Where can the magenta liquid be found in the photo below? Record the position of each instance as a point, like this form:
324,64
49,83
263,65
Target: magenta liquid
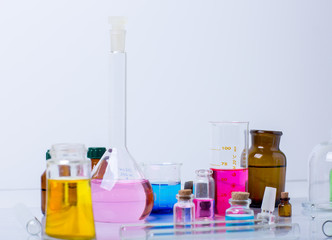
226,182
204,208
128,201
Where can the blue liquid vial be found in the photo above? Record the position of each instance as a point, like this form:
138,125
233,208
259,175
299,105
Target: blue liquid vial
239,209
164,196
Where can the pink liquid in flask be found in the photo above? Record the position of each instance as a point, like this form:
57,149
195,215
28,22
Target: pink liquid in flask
226,182
128,201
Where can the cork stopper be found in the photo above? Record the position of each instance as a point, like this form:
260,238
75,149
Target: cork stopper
284,194
240,195
185,194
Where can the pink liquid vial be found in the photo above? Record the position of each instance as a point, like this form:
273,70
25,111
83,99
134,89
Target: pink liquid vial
226,182
128,201
204,208
204,192
184,209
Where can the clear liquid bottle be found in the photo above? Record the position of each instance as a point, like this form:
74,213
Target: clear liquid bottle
120,192
44,185
184,209
228,161
204,194
69,205
239,209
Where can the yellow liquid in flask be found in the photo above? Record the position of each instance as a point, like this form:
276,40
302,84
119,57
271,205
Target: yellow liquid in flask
69,209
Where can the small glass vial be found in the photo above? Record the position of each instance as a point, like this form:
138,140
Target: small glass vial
239,209
95,154
204,194
284,208
184,209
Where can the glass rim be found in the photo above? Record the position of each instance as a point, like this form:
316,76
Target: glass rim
229,122
163,164
204,172
65,161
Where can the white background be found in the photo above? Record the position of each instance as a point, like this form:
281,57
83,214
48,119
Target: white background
189,62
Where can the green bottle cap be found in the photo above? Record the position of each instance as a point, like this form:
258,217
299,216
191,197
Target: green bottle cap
96,152
48,155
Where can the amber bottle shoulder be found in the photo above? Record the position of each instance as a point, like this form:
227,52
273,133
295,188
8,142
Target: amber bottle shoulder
266,157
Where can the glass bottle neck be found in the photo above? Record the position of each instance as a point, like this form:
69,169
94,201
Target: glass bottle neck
284,200
117,134
265,140
186,200
68,151
240,203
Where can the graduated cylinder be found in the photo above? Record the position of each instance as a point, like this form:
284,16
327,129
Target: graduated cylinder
228,160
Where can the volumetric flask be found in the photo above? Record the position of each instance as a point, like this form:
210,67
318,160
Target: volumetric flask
120,193
69,206
228,160
165,179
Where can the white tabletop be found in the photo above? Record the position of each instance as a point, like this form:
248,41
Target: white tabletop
10,228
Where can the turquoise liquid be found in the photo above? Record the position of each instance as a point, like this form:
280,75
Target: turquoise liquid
239,217
165,196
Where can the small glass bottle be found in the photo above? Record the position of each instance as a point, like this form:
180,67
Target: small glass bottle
204,194
44,186
239,209
184,209
95,154
284,208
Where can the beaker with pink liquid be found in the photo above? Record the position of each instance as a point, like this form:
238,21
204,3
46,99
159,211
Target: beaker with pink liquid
228,161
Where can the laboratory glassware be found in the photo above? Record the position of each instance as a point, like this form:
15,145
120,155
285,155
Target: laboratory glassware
27,220
69,206
44,186
184,209
95,154
228,160
284,207
320,176
267,165
239,209
120,192
268,204
204,194
165,179
211,230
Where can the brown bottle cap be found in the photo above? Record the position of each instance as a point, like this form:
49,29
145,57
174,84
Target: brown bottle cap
284,194
240,195
185,192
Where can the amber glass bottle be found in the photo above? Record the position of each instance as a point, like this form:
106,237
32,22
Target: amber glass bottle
43,186
284,208
95,155
267,165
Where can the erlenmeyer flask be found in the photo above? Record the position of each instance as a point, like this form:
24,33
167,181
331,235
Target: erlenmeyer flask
120,193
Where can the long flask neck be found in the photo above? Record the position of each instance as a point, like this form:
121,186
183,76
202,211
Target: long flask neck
117,134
